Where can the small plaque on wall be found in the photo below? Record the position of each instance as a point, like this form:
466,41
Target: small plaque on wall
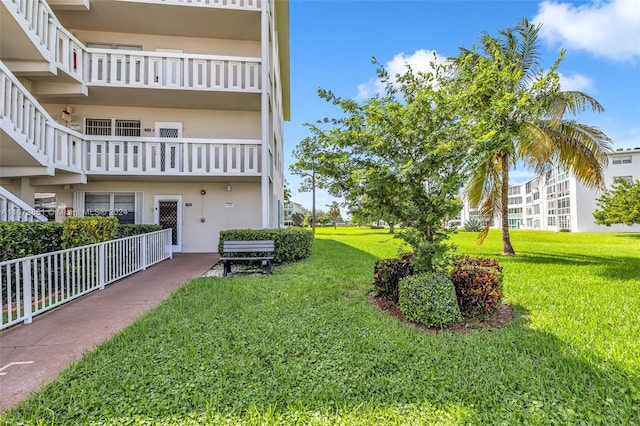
228,204
188,204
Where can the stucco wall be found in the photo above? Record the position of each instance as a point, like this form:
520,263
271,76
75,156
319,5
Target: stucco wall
239,208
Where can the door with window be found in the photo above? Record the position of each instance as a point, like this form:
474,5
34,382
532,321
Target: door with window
168,214
171,151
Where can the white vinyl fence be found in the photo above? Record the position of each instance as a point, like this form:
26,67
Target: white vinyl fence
35,284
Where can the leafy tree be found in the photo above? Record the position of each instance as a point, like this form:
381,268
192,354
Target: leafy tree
334,212
311,159
297,219
287,191
404,151
620,204
517,113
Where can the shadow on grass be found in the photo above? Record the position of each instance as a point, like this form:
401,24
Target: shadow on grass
618,267
292,346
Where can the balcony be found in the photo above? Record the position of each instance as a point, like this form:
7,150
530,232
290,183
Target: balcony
140,157
218,19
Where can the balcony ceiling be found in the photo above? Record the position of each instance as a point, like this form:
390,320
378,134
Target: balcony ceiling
164,19
166,98
13,155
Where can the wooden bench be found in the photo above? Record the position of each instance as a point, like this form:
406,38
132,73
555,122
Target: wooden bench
245,251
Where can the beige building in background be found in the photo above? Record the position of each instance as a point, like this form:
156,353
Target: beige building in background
154,111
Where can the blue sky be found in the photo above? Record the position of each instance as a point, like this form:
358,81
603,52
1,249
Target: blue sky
332,43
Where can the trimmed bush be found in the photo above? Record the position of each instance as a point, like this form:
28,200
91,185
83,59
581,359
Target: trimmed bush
388,272
81,231
129,230
478,284
429,298
292,244
22,239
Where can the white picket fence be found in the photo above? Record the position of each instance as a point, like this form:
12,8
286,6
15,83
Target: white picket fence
33,285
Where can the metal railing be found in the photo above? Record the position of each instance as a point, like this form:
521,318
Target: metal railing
35,284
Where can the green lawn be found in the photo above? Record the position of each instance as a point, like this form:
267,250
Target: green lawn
304,346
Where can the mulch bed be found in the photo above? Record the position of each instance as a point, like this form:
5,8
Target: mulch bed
505,314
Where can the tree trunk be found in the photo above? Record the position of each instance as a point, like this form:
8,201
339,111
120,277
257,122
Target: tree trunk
391,228
507,248
313,202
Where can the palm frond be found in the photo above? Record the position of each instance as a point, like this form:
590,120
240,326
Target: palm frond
582,150
484,189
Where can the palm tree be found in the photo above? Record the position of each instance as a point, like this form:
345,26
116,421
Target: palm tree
533,129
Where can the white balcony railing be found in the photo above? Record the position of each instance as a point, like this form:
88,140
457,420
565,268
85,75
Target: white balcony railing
35,284
173,70
169,156
229,4
13,208
22,117
142,69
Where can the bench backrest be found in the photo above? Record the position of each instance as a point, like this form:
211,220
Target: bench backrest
248,246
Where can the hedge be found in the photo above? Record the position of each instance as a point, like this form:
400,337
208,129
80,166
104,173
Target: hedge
81,231
129,230
291,244
22,239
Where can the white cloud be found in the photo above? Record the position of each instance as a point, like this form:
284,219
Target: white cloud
609,29
575,82
420,61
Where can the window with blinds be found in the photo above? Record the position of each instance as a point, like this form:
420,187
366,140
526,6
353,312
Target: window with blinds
112,127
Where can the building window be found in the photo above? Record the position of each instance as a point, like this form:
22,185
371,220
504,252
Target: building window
45,204
536,195
563,188
552,208
111,127
564,206
536,209
514,190
564,222
623,159
551,221
119,204
515,200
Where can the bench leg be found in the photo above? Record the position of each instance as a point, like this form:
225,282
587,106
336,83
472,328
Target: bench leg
268,267
226,267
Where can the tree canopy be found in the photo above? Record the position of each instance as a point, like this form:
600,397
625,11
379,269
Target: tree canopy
620,204
518,113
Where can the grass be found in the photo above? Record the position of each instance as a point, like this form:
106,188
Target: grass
304,346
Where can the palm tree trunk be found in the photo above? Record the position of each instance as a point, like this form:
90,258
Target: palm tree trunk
507,248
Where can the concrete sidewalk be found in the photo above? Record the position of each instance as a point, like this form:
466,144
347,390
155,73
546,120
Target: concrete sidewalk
33,354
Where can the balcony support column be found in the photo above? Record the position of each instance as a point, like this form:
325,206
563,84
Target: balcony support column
264,111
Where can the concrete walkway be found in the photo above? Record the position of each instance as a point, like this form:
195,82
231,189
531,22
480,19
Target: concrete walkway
32,355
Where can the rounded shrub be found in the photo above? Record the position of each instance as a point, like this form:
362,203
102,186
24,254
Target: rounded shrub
478,284
429,298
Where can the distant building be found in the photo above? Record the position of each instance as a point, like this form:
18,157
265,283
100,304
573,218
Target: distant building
556,200
291,208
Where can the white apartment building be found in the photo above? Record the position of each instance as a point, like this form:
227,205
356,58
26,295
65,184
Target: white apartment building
556,200
154,111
